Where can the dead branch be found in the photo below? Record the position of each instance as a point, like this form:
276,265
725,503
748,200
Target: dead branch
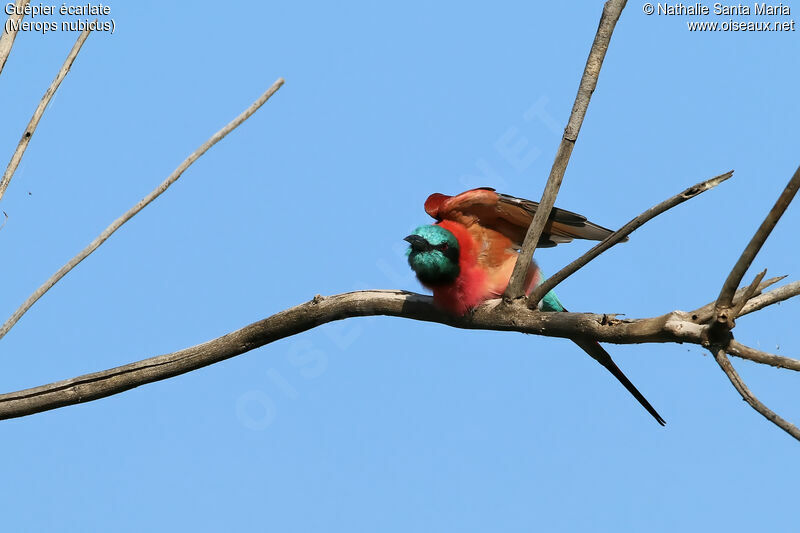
619,235
772,297
709,326
749,397
718,335
737,272
751,354
611,13
748,294
37,114
676,326
701,315
494,315
114,226
7,39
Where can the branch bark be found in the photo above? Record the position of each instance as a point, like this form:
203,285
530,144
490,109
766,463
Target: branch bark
703,314
114,226
8,37
511,315
611,13
772,297
37,114
676,326
619,235
492,315
751,354
749,397
718,336
740,268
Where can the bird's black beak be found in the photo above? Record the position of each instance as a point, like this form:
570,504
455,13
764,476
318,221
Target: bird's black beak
417,242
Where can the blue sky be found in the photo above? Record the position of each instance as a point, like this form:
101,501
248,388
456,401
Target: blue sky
385,424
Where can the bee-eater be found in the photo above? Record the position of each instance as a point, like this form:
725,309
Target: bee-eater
468,255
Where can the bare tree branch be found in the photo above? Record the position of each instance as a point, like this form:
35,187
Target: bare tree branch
114,226
772,297
611,13
718,337
673,327
739,385
37,114
511,315
676,326
737,273
701,315
7,39
748,294
551,282
751,354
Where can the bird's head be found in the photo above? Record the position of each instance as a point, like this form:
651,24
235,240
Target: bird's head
433,255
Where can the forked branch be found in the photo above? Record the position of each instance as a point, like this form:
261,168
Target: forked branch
676,326
551,282
611,13
718,335
741,388
759,238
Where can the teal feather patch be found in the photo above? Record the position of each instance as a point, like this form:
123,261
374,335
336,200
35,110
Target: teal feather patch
434,255
550,301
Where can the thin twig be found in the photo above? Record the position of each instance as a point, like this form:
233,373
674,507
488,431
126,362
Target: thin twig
751,354
738,384
619,235
748,294
7,39
37,114
772,297
701,315
611,13
114,226
737,273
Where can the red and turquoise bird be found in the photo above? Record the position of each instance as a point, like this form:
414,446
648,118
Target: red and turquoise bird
468,255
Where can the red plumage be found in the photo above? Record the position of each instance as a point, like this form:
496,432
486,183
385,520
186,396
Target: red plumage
490,228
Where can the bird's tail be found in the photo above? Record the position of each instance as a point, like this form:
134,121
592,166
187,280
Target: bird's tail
599,354
550,302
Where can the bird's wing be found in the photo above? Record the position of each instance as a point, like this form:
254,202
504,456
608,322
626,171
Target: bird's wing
511,216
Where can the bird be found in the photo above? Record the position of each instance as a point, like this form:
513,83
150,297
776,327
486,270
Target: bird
467,256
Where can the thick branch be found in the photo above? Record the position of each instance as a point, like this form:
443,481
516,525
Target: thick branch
7,39
114,226
551,282
738,384
737,273
676,326
672,327
37,114
611,13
